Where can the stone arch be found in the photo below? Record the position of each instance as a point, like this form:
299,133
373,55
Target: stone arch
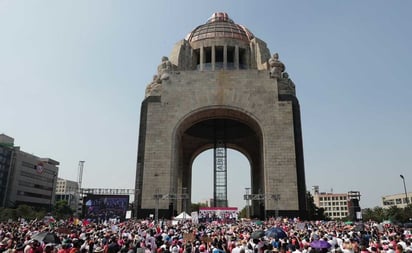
194,134
174,123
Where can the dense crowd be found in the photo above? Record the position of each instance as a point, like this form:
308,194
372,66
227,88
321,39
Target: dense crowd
292,236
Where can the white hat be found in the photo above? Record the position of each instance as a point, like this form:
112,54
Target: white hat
175,249
98,249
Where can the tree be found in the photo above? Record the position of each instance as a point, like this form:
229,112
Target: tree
25,211
29,213
195,206
377,214
394,214
367,214
407,213
7,213
314,212
62,210
243,212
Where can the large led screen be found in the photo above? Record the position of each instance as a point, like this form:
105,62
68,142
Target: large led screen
100,208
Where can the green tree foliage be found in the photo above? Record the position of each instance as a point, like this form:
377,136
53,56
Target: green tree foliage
243,212
22,211
62,210
393,214
195,206
407,214
367,214
314,212
25,211
7,213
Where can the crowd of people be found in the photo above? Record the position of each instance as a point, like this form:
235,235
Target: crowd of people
246,236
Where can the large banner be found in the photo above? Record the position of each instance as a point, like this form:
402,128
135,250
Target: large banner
219,214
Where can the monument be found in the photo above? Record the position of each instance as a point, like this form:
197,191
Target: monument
220,88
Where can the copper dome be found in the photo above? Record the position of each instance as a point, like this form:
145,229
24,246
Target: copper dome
219,25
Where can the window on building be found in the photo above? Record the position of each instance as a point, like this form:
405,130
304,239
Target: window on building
404,200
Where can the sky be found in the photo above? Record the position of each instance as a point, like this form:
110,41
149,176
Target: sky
73,76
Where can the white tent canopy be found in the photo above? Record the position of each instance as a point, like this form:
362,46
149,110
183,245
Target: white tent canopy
182,216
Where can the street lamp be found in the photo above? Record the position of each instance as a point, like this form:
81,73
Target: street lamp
247,198
157,197
184,189
276,198
53,191
404,187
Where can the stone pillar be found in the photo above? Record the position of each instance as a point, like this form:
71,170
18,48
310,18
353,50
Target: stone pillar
225,56
236,57
213,57
202,59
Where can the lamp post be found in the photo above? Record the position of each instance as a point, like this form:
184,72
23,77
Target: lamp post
53,192
404,187
157,197
276,198
247,198
184,189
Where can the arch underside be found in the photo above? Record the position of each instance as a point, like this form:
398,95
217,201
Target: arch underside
197,133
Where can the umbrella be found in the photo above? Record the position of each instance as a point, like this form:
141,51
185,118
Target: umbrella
275,232
259,222
320,244
257,234
46,237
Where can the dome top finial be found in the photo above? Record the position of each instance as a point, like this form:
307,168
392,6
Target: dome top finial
219,16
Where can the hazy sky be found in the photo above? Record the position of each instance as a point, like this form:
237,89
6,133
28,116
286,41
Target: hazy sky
73,76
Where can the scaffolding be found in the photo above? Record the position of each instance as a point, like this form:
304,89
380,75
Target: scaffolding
220,166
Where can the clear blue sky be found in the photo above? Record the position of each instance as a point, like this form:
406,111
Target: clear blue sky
73,76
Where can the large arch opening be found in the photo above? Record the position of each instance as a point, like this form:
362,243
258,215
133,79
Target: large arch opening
239,178
196,133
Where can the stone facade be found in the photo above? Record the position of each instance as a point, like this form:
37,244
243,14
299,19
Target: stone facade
199,86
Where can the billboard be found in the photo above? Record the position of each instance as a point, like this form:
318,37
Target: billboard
104,207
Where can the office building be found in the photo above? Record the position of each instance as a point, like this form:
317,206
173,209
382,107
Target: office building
26,178
399,200
337,205
69,191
